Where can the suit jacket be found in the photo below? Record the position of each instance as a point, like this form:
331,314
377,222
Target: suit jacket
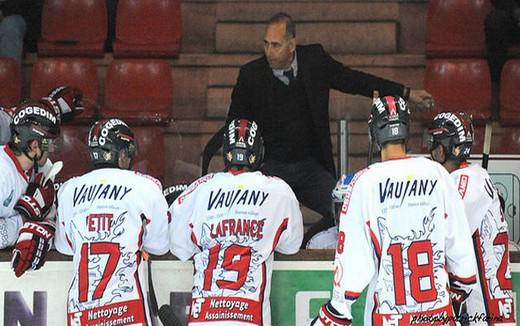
319,72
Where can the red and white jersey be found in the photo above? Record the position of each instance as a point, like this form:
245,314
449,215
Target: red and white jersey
493,297
106,218
402,229
13,184
232,223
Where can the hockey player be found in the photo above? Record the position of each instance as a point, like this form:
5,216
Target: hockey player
231,223
451,140
25,199
402,232
107,219
65,100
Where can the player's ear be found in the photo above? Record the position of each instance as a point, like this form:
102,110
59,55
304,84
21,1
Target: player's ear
124,161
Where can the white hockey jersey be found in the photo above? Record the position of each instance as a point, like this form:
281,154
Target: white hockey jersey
232,223
402,229
13,184
106,218
493,297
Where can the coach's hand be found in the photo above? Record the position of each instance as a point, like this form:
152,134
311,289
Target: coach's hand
421,100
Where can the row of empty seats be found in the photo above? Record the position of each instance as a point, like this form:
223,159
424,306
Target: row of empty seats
137,90
144,28
465,85
72,150
141,90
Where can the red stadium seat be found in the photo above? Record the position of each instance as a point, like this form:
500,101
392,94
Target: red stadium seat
11,81
510,92
456,28
150,151
73,27
48,73
72,150
139,91
460,85
148,28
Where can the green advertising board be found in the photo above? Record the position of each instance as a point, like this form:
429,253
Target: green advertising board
299,289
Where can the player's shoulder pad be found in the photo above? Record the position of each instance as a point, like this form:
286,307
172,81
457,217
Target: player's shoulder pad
61,187
150,178
193,186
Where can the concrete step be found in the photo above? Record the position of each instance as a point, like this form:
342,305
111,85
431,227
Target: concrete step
349,37
249,11
205,22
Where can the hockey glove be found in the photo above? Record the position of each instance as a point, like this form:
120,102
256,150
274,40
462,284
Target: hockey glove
69,101
37,201
328,316
458,295
34,241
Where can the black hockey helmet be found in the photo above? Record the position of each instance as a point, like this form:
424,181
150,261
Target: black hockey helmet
389,120
243,145
34,120
454,131
107,138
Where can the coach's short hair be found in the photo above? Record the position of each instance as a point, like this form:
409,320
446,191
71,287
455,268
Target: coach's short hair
282,17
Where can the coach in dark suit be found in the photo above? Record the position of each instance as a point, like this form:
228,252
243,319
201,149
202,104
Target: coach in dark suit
286,92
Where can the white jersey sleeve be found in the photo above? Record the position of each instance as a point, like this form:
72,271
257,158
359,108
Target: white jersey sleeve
157,219
354,265
182,244
291,231
461,266
61,241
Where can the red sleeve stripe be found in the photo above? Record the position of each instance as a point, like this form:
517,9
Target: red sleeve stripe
350,295
281,228
194,237
375,241
69,242
466,280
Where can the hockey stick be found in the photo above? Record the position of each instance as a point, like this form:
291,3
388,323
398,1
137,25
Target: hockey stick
375,96
166,314
54,170
370,149
487,145
153,298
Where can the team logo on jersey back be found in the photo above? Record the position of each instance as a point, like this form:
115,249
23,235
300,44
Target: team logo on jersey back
404,189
